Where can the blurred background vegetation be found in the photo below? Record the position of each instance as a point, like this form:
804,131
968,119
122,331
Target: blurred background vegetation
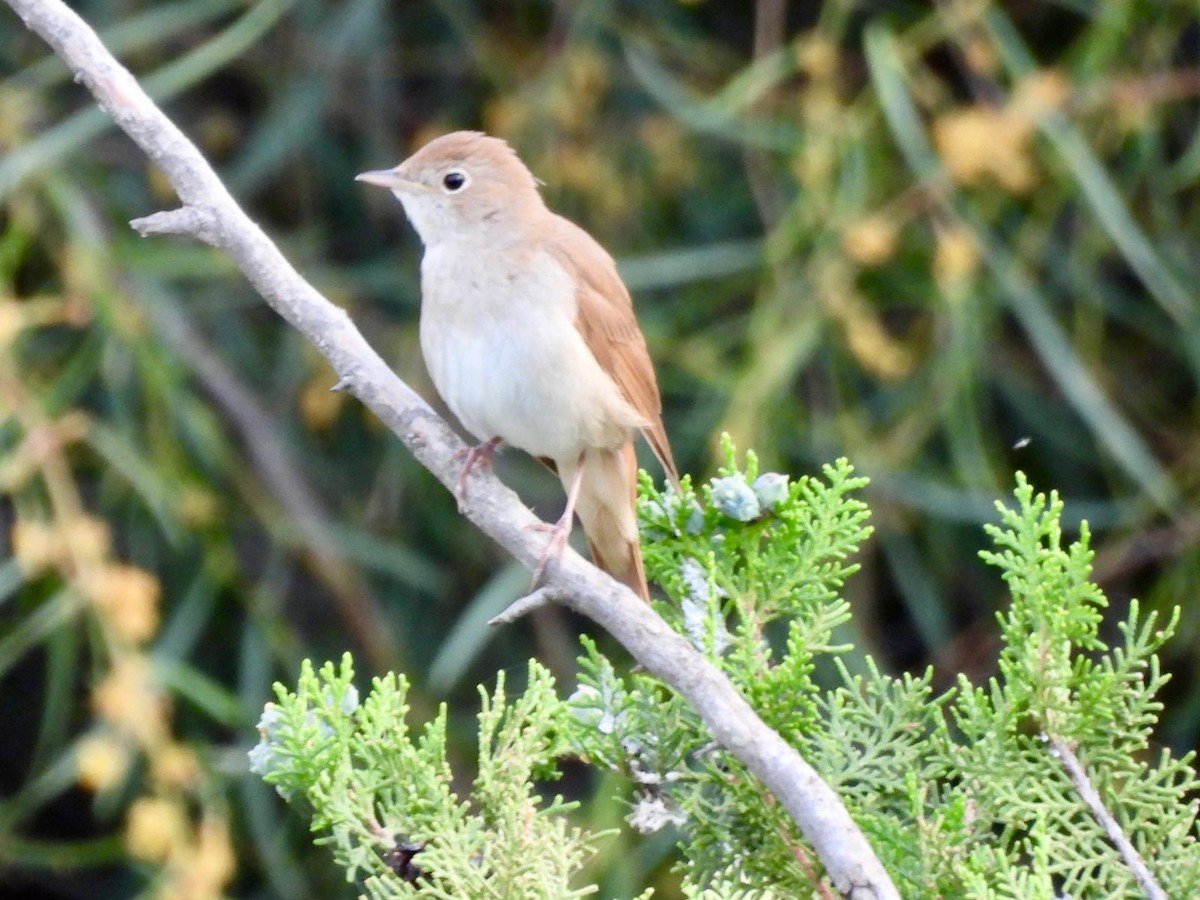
947,241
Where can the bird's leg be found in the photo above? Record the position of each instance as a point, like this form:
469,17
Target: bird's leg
561,529
473,457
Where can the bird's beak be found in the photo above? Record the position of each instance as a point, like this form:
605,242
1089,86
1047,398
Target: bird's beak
392,180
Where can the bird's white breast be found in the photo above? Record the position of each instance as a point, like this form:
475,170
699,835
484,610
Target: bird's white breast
499,339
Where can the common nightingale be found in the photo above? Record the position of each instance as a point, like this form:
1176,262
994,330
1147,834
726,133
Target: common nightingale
529,335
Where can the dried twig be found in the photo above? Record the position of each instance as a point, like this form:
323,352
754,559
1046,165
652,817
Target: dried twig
1111,826
523,606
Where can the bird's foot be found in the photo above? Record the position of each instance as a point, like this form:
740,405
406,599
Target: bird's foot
473,458
560,531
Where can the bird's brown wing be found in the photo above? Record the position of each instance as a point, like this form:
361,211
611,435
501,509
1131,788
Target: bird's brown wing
606,321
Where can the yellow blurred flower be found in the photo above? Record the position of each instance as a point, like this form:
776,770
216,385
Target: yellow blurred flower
174,765
101,761
199,865
128,597
39,545
876,350
130,700
12,320
155,829
214,863
88,538
870,241
1040,93
978,141
956,257
818,56
36,545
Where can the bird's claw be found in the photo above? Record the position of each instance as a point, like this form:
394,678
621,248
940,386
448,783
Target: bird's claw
560,531
473,458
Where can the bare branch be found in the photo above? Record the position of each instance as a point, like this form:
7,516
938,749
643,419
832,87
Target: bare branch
523,606
1111,826
216,219
189,220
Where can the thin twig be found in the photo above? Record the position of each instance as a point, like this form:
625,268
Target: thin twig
841,846
1111,826
522,606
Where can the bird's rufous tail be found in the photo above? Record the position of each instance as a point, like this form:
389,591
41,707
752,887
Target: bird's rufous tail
607,508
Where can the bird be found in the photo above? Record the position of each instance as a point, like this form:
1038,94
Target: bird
529,336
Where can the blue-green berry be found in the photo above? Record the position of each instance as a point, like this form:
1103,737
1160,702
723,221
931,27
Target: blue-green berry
770,488
733,497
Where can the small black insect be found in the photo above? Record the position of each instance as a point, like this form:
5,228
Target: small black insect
400,860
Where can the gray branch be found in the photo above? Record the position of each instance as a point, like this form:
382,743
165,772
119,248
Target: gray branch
210,214
523,606
1108,822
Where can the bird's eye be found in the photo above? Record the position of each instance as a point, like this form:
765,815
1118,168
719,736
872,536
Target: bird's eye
454,181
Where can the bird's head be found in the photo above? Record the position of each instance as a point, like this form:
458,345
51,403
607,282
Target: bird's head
460,186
